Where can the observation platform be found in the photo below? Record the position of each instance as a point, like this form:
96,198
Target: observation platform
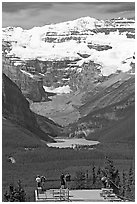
93,195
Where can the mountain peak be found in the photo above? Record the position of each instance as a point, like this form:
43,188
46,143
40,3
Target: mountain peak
87,18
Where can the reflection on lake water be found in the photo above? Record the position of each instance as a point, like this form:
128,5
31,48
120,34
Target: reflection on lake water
65,143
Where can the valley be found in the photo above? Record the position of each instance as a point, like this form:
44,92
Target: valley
67,84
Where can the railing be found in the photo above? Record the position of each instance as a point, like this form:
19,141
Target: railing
60,194
51,195
116,191
125,199
56,184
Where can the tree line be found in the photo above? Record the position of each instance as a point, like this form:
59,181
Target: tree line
121,182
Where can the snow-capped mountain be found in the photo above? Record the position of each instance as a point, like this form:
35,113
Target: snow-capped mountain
81,24
71,47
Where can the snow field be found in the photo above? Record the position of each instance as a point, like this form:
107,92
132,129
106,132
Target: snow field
30,44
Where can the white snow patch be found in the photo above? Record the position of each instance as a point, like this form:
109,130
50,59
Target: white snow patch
17,63
112,60
60,90
79,70
27,73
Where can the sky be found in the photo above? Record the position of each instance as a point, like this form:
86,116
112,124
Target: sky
30,14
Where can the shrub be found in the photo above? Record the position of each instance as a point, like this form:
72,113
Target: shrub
15,194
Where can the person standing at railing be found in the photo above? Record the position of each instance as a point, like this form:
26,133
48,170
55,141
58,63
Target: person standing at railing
43,180
62,181
38,181
68,179
104,181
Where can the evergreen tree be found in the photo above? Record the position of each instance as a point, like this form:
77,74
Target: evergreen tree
130,188
98,178
112,175
79,180
110,169
116,177
93,174
131,176
99,172
87,179
124,180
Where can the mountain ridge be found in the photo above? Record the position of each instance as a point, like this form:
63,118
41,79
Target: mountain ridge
44,45
87,19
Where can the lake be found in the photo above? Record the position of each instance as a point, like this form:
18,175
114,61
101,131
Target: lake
69,142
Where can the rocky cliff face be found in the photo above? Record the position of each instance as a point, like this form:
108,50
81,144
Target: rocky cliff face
30,85
16,108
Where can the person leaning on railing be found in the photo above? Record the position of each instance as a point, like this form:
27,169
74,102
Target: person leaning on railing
43,180
68,179
38,181
62,181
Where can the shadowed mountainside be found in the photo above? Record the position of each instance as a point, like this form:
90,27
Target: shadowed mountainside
16,108
48,126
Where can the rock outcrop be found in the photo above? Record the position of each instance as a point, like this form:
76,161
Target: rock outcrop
30,85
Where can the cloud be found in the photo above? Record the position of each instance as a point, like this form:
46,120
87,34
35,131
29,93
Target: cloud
17,6
30,14
108,6
121,7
